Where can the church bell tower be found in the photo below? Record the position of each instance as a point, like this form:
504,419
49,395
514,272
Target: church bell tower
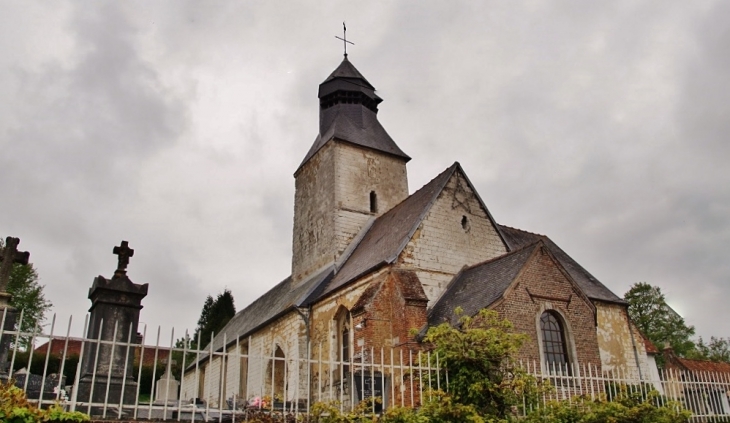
353,172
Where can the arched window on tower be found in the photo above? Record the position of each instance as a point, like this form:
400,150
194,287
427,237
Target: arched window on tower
373,202
554,343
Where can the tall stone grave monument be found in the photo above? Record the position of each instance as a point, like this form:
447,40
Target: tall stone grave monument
115,306
9,255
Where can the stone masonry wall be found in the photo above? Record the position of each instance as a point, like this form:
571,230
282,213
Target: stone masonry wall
549,289
619,352
358,172
314,204
286,333
332,201
442,245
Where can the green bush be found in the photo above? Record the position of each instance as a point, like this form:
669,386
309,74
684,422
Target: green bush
625,407
479,356
15,408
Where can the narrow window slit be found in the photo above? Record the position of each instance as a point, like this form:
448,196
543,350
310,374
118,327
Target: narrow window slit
373,202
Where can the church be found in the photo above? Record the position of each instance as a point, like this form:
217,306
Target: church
372,265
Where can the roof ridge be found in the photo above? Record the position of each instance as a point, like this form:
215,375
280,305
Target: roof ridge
508,253
522,230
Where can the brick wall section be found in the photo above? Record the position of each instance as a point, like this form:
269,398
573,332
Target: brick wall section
618,351
395,308
542,277
441,246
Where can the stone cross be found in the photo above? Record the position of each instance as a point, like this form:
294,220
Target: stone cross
344,38
8,256
124,253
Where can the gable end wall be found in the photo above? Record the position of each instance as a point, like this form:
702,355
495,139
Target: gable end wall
441,246
543,279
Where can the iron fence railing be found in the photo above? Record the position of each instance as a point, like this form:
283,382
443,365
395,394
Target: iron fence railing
136,376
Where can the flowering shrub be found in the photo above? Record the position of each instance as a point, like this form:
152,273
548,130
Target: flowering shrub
15,408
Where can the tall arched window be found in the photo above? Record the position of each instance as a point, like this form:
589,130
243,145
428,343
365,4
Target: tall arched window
342,319
554,345
276,374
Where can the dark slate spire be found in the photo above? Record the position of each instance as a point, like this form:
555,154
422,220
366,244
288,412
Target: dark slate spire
348,108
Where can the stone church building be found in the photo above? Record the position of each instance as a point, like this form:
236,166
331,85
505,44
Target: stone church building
373,264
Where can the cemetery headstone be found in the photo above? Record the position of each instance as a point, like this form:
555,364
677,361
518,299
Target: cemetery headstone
369,385
34,384
115,306
166,388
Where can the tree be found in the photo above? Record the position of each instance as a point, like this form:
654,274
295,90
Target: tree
650,312
28,296
479,354
718,349
214,316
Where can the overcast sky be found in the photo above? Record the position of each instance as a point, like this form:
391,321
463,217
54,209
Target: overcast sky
177,126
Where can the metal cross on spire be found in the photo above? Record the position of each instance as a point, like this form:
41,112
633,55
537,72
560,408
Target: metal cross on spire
344,38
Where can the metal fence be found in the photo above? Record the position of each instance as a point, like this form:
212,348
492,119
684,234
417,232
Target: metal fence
160,380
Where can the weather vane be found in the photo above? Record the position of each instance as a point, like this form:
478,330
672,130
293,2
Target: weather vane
344,38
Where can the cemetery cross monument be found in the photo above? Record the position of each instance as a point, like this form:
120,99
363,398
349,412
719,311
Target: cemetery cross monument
9,255
115,307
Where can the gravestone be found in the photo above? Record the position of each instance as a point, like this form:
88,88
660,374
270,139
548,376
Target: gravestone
115,306
166,389
9,255
369,385
33,384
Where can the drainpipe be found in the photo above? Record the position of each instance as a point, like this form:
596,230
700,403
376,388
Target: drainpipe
636,352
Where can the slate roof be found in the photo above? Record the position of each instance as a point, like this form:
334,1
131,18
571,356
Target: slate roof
590,286
277,301
347,70
477,287
357,125
353,123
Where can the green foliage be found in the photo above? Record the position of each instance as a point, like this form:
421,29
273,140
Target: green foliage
27,295
718,349
479,355
650,312
214,316
626,407
15,408
329,412
440,407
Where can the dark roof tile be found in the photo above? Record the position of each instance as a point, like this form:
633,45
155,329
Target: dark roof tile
477,287
279,299
590,286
